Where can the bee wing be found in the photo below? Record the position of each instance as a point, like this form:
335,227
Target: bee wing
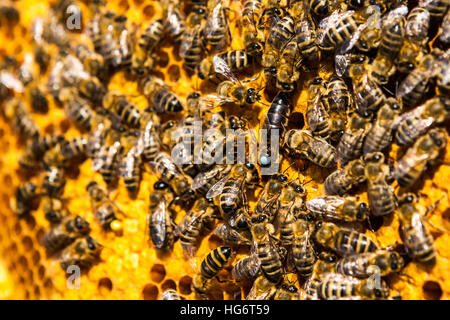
221,67
11,82
158,218
188,37
332,276
389,17
330,22
410,160
202,178
217,188
417,224
211,101
318,145
350,43
420,125
324,204
341,64
317,114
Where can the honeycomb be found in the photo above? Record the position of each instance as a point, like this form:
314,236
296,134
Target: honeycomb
129,267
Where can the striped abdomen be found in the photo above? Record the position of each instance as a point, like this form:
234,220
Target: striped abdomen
350,146
128,112
229,199
392,40
338,182
237,60
420,244
337,35
336,289
378,138
281,33
351,242
381,199
270,262
215,261
166,101
303,255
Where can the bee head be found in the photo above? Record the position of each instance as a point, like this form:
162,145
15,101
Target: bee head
407,199
252,96
81,224
362,212
160,185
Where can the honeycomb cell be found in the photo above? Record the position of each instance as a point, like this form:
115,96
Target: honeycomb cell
39,234
105,285
35,257
185,285
37,291
18,229
150,292
158,273
23,263
64,125
148,11
432,290
27,243
168,284
7,180
41,271
174,73
31,222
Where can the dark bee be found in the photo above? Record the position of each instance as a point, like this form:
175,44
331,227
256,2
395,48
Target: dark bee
381,195
53,182
65,233
211,265
342,180
341,240
161,224
414,123
271,264
314,149
24,197
160,97
363,265
416,236
302,248
337,208
83,253
102,207
436,8
351,144
426,149
380,134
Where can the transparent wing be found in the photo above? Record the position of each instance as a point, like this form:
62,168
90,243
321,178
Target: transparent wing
158,218
11,82
392,15
221,67
330,22
212,101
414,113
203,178
350,43
325,204
341,64
217,188
188,38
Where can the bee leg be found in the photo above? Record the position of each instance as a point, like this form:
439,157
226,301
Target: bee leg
410,279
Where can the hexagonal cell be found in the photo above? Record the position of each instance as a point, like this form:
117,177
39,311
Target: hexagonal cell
18,228
150,292
35,257
168,284
124,5
64,125
174,72
31,222
105,285
39,234
185,285
23,263
148,11
158,273
27,243
37,291
41,271
432,290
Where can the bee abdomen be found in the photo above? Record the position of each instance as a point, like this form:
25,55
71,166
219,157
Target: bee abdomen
349,242
215,261
382,200
337,183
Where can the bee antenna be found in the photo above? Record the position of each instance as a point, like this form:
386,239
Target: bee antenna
288,167
388,91
411,280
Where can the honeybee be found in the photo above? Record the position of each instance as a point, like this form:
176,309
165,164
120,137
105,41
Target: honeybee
262,289
42,143
193,222
54,210
417,25
381,195
230,190
246,268
414,86
125,110
290,207
338,103
76,108
342,180
337,208
22,121
316,112
302,249
351,144
53,182
213,262
161,223
65,233
106,160
9,83
364,265
166,170
237,60
436,8
368,95
124,43
267,204
286,291
175,22
253,38
344,62
414,123
130,164
74,148
192,43
24,197
204,180
341,240
37,98
334,286
288,66
278,37
416,236
268,253
217,32
426,149
151,144
230,235
334,30
160,96
142,60
170,294
83,253
92,61
380,134
102,207
103,38
314,149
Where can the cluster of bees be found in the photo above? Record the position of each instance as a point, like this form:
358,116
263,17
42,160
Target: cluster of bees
352,118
